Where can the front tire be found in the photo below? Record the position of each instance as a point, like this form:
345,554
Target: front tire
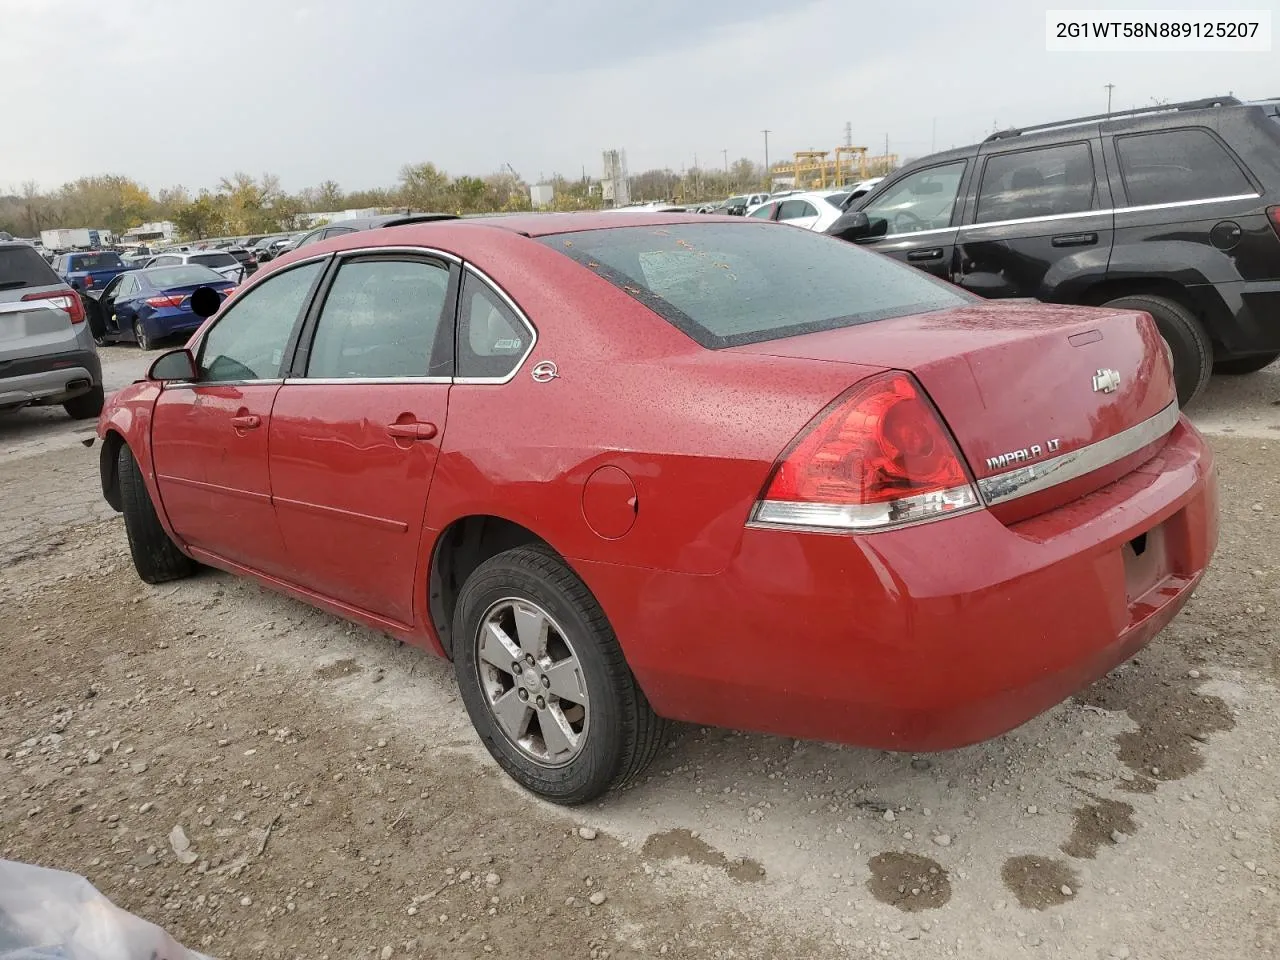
156,558
140,335
1242,365
544,680
87,406
1192,349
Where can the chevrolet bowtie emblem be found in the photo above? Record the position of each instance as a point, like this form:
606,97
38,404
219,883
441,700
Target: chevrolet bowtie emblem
1106,381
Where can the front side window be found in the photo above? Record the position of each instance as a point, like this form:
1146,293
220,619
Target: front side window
249,341
923,200
381,319
1037,183
491,339
1178,165
728,284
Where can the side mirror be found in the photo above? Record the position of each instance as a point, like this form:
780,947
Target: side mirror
205,301
177,364
851,225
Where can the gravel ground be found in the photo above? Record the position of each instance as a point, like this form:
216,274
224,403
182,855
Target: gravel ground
333,802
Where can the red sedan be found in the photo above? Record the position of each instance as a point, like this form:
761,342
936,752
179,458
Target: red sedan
630,467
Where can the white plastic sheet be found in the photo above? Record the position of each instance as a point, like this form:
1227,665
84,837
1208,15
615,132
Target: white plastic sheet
52,915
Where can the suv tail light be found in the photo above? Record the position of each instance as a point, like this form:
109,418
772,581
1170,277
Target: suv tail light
166,300
1273,213
878,457
67,300
87,280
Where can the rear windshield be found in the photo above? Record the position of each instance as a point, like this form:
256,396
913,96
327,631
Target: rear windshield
183,276
21,266
726,284
94,261
241,255
216,260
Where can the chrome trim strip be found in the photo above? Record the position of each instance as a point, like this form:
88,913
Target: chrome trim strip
1069,216
520,315
338,381
192,384
400,248
1035,477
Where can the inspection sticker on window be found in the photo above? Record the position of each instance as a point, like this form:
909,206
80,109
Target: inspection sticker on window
1153,31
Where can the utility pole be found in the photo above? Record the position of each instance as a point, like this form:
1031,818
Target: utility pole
726,161
768,176
933,139
1110,87
697,175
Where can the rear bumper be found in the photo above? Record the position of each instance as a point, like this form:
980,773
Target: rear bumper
923,638
49,379
171,322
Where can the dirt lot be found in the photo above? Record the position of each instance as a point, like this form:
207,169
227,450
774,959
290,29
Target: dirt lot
336,803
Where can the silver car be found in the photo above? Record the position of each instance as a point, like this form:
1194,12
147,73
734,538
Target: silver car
47,354
220,261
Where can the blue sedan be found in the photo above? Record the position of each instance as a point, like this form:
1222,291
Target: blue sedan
146,306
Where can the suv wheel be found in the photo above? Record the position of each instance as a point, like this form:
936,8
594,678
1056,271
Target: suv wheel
156,558
1238,365
1192,349
87,405
545,682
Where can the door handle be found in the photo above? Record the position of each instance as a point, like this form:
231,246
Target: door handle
1075,240
412,431
246,422
934,253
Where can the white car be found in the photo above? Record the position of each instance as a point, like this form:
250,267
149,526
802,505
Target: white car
815,210
222,262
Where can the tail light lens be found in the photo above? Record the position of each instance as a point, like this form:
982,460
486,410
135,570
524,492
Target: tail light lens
67,300
880,457
166,300
1273,213
87,281
226,294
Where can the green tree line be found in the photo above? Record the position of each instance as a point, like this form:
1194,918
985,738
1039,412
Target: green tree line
243,203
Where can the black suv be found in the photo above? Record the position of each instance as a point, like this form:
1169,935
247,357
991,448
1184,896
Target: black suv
1173,209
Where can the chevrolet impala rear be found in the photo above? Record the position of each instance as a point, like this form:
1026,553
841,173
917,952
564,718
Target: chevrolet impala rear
999,505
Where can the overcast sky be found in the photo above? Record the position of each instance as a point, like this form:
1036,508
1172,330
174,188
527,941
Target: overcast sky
179,91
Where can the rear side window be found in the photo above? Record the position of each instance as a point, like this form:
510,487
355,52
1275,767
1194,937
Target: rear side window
1037,183
1178,165
795,209
491,338
381,319
21,267
726,284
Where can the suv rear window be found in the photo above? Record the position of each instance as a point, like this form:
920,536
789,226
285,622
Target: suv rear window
21,266
730,284
1178,165
215,260
94,261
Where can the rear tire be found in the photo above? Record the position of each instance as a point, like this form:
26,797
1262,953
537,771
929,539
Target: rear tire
140,335
87,406
1241,365
620,733
1192,349
156,558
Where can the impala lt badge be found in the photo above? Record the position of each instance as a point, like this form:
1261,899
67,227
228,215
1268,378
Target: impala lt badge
1025,455
1106,381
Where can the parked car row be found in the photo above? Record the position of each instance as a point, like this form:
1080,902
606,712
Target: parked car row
1173,210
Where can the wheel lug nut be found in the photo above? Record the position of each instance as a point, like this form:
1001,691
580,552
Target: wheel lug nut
516,668
542,704
546,681
529,659
522,693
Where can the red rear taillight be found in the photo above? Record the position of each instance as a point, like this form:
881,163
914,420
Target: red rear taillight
67,300
226,294
166,300
87,281
880,457
1273,213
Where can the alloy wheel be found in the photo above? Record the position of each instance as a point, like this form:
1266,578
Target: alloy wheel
140,334
533,682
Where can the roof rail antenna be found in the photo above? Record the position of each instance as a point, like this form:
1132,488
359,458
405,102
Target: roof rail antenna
1204,104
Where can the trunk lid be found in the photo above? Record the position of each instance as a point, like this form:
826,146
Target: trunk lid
1019,384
